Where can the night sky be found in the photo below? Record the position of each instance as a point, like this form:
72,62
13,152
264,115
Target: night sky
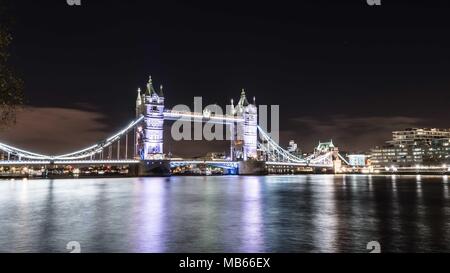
338,69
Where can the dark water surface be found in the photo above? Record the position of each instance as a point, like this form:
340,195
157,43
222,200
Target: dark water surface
306,213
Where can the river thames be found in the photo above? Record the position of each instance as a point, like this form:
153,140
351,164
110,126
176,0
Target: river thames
304,213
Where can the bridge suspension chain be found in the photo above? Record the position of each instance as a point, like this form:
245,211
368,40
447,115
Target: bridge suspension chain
277,150
88,152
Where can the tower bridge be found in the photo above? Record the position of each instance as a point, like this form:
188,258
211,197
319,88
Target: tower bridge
140,144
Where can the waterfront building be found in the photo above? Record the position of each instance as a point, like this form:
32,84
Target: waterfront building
357,160
328,146
412,147
324,147
293,149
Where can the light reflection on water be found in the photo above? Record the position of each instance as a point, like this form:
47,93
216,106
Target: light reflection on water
305,213
252,237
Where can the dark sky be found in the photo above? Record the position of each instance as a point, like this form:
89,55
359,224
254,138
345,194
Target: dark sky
338,69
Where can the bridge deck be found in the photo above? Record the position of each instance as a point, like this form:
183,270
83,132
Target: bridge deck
133,161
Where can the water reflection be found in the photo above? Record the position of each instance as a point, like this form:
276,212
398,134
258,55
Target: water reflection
445,183
252,236
419,185
312,213
325,221
148,216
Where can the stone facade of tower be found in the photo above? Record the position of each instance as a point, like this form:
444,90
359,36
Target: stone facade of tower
244,134
250,132
150,135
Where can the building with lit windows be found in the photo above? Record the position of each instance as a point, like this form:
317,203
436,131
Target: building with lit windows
412,147
294,149
357,160
412,136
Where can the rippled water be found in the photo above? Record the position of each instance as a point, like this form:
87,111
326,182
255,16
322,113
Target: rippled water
309,213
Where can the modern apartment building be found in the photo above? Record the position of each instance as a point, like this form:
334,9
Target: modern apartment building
412,147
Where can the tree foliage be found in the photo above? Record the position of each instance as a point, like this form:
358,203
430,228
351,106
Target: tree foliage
11,87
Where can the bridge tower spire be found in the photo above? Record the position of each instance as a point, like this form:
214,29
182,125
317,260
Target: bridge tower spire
139,103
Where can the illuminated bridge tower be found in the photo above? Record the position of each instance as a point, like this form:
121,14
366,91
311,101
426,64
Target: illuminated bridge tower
245,138
153,111
149,135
